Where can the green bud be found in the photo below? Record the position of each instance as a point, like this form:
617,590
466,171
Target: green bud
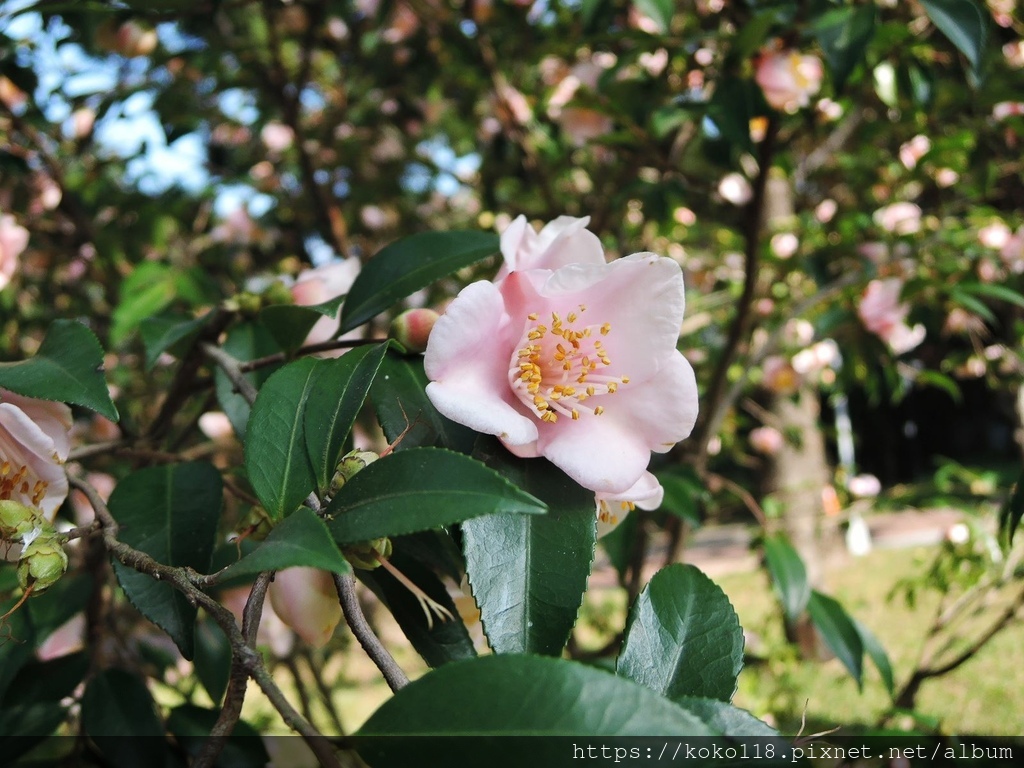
42,563
256,525
277,293
350,464
248,303
362,555
16,520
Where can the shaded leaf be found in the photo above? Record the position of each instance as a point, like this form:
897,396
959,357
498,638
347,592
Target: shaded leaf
659,11
160,334
213,659
683,637
116,707
729,720
301,539
528,573
406,266
964,23
244,748
876,652
789,575
839,633
244,343
67,368
844,34
276,459
419,489
1011,512
289,324
171,514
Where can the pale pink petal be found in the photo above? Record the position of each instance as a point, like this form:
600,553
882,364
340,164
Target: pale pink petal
67,638
305,599
561,242
467,361
53,418
612,508
604,455
31,472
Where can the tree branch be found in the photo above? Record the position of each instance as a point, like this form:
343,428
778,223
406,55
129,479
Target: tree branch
385,662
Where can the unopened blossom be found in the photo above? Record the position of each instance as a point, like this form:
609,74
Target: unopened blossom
568,357
914,150
884,315
899,218
13,239
272,632
766,440
34,444
1012,252
825,210
788,79
306,601
320,284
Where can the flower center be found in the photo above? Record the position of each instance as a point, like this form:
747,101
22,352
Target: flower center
557,368
606,510
12,482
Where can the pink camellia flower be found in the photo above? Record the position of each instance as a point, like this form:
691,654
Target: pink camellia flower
788,79
882,313
320,284
914,150
13,239
995,235
766,440
568,357
305,599
899,218
34,444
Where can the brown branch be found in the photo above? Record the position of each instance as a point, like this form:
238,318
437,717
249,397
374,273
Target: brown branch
311,349
232,369
379,655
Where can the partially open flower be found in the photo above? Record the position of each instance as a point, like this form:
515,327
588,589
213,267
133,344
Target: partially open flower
315,286
572,359
305,600
882,313
788,79
34,444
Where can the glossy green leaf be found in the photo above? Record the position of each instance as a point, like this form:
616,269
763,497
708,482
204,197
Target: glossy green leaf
438,641
876,652
528,573
964,23
116,711
301,539
1011,512
48,681
276,459
290,324
191,725
659,11
844,34
67,368
515,696
160,334
148,290
334,402
789,575
839,633
618,545
419,489
408,265
993,291
212,659
170,513
729,720
244,342
406,415
683,637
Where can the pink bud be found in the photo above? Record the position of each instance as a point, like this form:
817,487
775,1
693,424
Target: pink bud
412,328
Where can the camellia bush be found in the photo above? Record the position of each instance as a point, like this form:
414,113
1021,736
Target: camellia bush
447,300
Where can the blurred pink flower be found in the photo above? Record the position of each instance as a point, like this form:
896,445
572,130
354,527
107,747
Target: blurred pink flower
572,358
779,376
788,79
766,440
864,486
735,188
277,137
581,124
67,638
1005,109
914,150
237,228
899,218
320,284
34,444
1012,252
13,240
882,313
305,599
995,235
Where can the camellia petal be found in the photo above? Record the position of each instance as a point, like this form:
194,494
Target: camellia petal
31,470
612,508
562,242
305,600
53,418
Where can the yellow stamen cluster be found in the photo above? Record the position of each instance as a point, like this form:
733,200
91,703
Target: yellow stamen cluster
17,482
557,368
606,515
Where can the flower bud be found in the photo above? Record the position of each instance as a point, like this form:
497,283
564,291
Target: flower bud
257,524
42,563
364,555
15,520
351,463
278,293
412,328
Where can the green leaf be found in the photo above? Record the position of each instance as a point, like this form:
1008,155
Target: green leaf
170,513
406,414
67,368
408,265
148,290
969,301
48,681
618,545
659,11
514,696
993,291
941,381
731,107
445,641
275,444
23,726
839,633
789,575
964,23
528,573
116,707
159,334
290,324
420,489
876,652
844,35
244,343
729,720
683,637
683,494
1011,512
213,659
334,401
191,725
301,539
19,646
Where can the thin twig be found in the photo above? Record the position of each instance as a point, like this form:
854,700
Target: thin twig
311,349
379,655
232,370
